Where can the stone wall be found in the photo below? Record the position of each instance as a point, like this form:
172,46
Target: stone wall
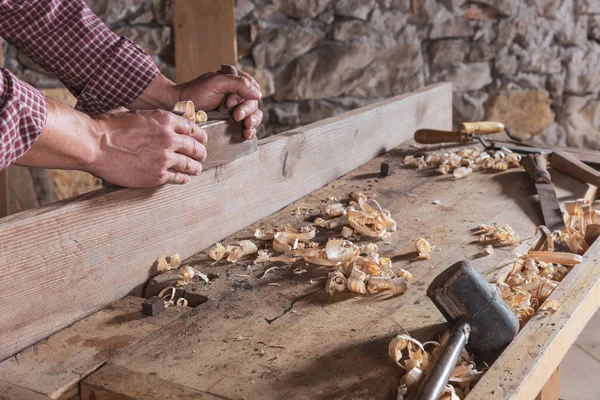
534,64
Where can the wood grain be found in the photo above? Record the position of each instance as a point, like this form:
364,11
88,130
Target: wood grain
551,389
298,342
205,37
3,193
55,366
64,261
110,382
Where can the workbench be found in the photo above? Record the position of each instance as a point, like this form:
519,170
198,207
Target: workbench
275,335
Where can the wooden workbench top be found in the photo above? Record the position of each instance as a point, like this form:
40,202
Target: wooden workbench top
253,340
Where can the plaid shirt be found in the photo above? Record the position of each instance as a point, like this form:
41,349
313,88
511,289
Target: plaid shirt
65,38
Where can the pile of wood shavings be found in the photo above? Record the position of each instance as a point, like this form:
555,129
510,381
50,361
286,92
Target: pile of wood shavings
186,273
417,359
355,268
535,275
463,162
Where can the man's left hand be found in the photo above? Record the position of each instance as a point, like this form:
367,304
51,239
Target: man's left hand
206,92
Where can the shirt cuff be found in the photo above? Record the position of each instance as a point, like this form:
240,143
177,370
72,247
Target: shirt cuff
23,116
124,75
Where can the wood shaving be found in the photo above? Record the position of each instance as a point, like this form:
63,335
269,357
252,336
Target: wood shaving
161,264
463,162
272,269
299,271
417,359
500,232
423,247
234,253
347,232
488,250
273,284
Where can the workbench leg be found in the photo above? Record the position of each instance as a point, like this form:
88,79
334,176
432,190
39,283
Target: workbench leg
551,389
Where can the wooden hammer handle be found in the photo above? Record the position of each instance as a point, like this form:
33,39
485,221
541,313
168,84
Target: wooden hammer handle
432,136
535,165
481,128
570,165
226,69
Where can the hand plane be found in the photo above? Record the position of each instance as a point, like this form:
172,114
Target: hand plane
225,135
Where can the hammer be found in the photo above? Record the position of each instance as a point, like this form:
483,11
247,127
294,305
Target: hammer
479,315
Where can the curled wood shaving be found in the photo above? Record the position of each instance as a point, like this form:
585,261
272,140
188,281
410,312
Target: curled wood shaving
218,252
423,247
162,265
335,210
234,253
550,305
272,269
336,282
500,232
347,232
187,108
181,302
356,281
416,360
488,250
556,257
201,117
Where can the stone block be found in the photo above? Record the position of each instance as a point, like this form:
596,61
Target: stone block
281,43
527,113
303,8
330,70
594,27
580,116
354,8
349,30
468,106
446,53
587,6
465,77
163,11
455,27
583,70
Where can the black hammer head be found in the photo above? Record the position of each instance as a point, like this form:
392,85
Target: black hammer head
461,291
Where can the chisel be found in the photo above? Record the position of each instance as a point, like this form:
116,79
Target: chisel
535,165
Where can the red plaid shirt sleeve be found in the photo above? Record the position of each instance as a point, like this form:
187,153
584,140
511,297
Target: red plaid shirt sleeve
65,38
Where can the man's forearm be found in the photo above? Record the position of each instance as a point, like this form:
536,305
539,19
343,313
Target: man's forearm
69,140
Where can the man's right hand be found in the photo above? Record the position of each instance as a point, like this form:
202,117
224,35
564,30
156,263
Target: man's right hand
134,149
148,148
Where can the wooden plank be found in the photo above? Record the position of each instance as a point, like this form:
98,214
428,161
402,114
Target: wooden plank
110,382
324,346
61,260
551,389
205,37
10,391
54,367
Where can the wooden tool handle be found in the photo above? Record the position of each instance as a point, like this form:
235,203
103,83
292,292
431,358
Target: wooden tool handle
226,69
570,165
481,128
535,165
431,136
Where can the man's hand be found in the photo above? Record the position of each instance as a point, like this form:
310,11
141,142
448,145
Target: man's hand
206,92
135,149
148,148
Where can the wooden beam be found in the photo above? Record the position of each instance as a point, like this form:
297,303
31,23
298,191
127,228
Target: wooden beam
64,261
205,37
3,193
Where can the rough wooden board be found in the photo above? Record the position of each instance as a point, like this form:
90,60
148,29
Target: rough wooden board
10,391
226,142
55,366
336,346
530,360
205,37
66,260
110,382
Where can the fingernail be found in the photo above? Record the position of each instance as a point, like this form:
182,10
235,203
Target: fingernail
243,114
257,92
253,121
232,103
